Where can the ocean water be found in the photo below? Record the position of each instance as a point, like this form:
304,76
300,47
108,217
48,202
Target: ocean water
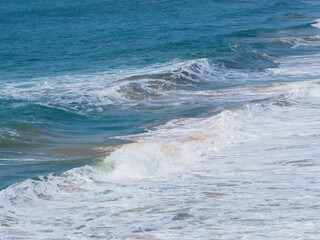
160,119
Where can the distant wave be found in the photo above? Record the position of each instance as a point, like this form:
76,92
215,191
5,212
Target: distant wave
87,93
316,23
296,42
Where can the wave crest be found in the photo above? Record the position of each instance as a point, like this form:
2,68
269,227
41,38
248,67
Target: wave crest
316,23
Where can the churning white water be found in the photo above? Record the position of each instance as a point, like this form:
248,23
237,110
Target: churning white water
251,173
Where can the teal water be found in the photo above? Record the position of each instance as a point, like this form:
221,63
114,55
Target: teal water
62,61
66,43
159,119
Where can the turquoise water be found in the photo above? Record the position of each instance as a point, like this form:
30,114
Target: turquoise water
77,47
78,77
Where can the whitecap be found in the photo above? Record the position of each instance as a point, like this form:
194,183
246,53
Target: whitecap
316,23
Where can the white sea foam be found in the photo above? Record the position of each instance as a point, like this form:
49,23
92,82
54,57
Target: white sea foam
175,145
251,172
302,66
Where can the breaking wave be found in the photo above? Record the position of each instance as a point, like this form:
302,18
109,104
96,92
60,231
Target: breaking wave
177,148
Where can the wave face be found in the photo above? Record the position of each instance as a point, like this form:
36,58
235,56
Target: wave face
159,120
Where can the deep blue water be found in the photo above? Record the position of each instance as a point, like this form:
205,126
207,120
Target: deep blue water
74,74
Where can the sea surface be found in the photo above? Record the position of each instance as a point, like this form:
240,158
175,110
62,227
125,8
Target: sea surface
160,119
